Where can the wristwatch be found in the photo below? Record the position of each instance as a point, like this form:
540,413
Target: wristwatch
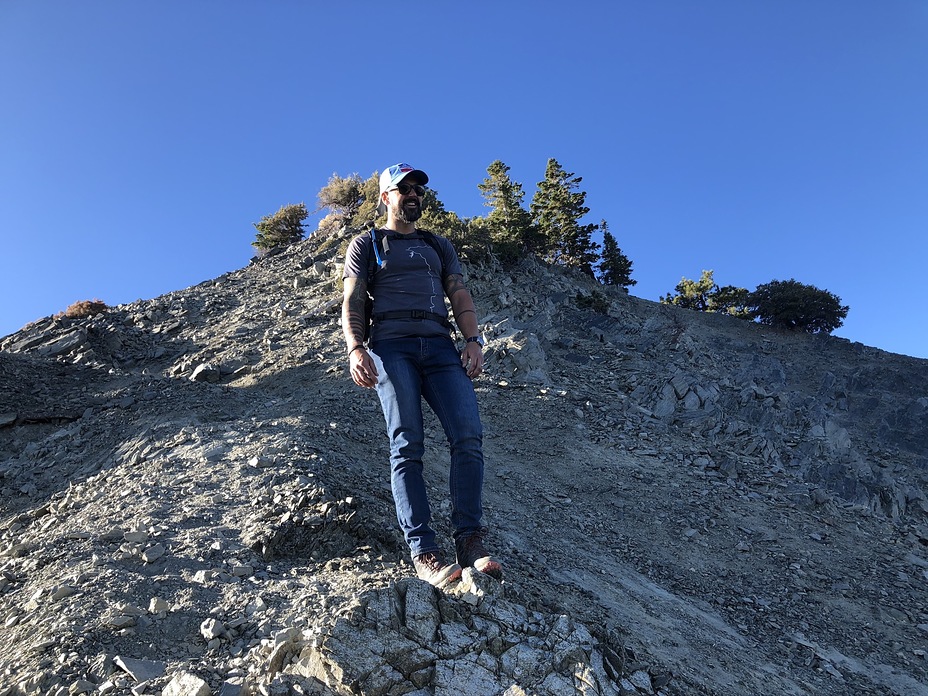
476,339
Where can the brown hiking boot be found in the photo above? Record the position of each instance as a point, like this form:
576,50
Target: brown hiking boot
471,552
432,568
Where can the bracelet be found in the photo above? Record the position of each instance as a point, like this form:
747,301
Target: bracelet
355,348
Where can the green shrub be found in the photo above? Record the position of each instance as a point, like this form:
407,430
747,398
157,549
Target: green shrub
342,195
596,301
704,295
792,305
283,228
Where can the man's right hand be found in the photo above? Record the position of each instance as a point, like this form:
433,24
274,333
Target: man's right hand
363,370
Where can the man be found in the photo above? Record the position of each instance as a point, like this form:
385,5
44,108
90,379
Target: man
410,356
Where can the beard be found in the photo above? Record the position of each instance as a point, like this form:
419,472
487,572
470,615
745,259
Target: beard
407,215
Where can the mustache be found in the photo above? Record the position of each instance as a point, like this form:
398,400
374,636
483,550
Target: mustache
408,214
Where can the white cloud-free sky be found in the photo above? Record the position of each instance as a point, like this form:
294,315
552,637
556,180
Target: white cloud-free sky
763,140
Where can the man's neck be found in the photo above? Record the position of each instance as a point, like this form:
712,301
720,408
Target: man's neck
400,227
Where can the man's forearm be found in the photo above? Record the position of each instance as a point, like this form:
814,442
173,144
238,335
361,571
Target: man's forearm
353,318
462,306
466,320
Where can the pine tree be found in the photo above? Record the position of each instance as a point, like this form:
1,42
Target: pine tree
438,220
557,209
615,268
509,224
733,301
283,228
704,295
693,294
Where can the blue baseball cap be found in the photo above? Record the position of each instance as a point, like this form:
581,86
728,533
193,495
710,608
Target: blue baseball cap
391,176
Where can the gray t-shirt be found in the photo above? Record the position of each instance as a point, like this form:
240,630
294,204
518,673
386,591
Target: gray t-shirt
409,279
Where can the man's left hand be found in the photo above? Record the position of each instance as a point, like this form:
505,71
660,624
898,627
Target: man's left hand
472,359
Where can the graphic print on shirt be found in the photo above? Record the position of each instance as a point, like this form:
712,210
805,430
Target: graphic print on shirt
437,295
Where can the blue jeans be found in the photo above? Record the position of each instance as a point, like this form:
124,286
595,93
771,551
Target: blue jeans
410,369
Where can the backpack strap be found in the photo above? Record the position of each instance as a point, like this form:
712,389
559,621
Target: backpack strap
376,259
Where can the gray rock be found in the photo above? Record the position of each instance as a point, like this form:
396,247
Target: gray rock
232,687
68,343
153,553
185,684
140,670
206,372
212,628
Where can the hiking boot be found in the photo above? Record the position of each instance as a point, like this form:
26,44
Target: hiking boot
432,568
472,553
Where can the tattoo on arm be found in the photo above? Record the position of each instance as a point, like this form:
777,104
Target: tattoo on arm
454,283
353,317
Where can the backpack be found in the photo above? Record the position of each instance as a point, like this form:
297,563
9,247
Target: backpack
376,260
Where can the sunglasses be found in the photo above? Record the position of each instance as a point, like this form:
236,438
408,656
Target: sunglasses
405,188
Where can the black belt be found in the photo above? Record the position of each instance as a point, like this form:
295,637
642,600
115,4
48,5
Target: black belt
413,314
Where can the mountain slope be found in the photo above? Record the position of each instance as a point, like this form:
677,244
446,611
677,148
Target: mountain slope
685,503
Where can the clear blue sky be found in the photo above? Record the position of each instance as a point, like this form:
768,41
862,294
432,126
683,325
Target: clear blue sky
764,139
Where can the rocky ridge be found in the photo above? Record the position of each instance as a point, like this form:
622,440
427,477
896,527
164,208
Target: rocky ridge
195,500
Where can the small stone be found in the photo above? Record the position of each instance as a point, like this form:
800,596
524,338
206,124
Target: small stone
185,684
153,553
140,670
256,606
158,606
201,577
62,591
113,534
215,453
130,609
120,622
206,373
211,628
82,686
641,680
232,687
